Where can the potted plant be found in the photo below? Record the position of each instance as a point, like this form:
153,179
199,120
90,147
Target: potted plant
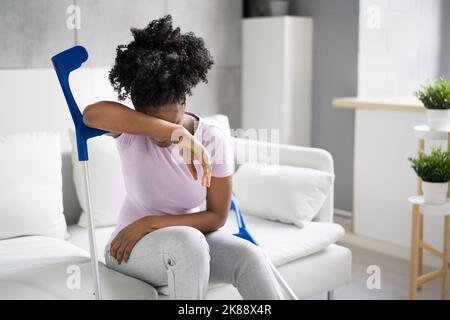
435,96
434,169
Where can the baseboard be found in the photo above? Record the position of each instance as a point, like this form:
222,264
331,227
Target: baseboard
387,249
342,213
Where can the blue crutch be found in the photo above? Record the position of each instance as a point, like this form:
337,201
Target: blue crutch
64,63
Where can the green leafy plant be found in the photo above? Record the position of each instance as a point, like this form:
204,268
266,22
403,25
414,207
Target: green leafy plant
433,167
435,95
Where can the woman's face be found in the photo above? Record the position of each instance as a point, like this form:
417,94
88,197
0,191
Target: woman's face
172,113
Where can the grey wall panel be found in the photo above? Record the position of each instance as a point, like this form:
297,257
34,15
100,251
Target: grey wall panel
217,21
222,94
32,31
445,31
106,24
334,75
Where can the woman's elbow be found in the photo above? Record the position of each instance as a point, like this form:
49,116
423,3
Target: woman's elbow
90,116
222,219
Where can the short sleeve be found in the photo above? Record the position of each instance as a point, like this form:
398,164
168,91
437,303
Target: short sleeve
124,140
219,148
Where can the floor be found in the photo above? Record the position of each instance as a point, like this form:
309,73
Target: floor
394,279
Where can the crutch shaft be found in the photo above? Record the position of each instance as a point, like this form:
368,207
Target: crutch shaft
92,242
291,295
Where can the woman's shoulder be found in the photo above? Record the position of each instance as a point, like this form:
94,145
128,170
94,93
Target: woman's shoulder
124,140
215,128
216,138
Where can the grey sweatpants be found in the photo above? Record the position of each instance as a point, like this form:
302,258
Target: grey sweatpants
186,260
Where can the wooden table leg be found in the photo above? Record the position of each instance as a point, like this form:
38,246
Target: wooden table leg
446,257
420,192
446,251
420,259
414,252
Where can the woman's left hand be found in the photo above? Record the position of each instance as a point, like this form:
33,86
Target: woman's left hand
126,239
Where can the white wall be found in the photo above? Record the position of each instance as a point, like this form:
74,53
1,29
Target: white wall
399,45
399,49
384,179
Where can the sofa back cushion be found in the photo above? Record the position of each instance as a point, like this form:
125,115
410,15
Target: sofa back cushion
287,194
31,185
106,184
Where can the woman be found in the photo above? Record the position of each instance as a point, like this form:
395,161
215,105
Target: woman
163,235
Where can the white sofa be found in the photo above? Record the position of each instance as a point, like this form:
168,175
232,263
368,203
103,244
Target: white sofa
36,267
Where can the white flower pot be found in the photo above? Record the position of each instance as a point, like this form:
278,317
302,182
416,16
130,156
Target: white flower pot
438,119
279,8
435,193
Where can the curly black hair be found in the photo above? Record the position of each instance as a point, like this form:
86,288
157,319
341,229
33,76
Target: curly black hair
160,66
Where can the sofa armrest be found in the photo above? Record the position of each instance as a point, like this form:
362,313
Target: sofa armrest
246,150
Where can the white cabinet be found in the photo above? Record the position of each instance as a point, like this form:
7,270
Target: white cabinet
276,76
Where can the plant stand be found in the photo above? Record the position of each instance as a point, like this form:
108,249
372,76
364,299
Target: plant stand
419,210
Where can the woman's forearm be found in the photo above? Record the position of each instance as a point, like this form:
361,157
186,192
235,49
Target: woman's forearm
205,221
116,117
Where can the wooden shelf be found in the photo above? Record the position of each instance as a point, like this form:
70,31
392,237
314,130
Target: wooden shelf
419,209
431,209
408,104
424,132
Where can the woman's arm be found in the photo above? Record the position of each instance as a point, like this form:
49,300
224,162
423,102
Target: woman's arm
218,201
117,118
217,208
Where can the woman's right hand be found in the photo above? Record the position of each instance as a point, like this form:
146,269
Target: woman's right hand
191,149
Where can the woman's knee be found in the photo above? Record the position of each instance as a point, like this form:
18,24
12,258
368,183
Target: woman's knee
190,243
248,262
251,255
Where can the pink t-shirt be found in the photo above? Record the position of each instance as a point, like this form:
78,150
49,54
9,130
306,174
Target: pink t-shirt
158,182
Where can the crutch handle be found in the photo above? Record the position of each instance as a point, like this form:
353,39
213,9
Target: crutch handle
64,63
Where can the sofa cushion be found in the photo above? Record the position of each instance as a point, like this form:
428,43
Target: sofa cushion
282,193
284,242
31,200
79,237
37,267
105,177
